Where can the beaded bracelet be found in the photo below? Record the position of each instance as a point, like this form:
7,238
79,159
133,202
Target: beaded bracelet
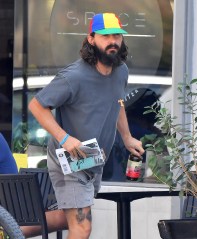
64,139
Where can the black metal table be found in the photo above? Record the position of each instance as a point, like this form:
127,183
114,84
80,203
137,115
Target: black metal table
123,194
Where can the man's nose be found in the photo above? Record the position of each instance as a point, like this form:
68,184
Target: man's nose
112,38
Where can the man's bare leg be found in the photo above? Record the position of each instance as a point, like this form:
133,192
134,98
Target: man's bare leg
79,223
56,220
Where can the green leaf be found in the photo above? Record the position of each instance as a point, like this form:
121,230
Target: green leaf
152,162
148,111
193,81
168,158
174,165
180,177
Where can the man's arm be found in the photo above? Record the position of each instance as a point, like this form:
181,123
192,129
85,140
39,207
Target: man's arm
132,144
46,119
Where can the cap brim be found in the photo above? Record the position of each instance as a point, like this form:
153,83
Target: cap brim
111,31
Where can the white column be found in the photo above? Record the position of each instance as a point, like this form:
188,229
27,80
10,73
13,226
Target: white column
184,51
179,51
194,58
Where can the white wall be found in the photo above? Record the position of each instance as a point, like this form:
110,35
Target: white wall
194,57
145,214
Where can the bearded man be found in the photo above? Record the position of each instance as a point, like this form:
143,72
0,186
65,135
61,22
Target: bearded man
87,96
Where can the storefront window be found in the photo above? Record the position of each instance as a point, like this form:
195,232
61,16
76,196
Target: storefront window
49,35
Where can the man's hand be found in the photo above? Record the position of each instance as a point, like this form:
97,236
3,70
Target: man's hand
72,145
134,146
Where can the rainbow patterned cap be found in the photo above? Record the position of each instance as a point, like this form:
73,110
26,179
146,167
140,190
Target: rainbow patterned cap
106,23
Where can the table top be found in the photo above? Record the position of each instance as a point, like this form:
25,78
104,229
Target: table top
131,187
129,191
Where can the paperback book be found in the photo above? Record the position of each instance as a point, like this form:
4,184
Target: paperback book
94,157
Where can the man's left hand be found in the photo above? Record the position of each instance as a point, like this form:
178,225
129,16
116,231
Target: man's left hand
134,146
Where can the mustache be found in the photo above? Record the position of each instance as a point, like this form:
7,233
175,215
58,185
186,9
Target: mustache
112,45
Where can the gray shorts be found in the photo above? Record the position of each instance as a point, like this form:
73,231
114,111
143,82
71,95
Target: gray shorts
76,190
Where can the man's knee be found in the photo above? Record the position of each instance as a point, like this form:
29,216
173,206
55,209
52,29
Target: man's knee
79,222
81,231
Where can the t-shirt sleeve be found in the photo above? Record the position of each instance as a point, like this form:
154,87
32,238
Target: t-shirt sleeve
56,93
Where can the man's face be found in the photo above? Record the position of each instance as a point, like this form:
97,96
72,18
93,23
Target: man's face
107,48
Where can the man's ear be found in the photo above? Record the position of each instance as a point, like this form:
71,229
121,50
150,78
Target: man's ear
90,39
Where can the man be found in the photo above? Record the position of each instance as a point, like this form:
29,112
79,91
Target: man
87,96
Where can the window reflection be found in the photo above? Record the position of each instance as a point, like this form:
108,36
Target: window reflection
54,33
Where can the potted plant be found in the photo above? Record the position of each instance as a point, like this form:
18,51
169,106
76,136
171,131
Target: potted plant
179,140
177,147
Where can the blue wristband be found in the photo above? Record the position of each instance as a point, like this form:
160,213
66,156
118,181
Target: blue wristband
64,139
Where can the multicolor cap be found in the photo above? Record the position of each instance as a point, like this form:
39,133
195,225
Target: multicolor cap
106,23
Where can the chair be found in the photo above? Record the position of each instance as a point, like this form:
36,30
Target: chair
46,188
186,227
178,229
47,191
20,195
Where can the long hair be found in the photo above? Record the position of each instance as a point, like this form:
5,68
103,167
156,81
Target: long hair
87,52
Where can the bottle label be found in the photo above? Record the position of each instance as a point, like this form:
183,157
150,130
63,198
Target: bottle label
133,169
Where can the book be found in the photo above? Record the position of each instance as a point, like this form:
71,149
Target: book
94,157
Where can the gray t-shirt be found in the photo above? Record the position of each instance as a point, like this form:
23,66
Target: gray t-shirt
86,102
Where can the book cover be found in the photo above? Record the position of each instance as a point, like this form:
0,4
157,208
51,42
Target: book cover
94,157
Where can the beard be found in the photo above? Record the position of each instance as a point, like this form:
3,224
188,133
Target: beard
111,59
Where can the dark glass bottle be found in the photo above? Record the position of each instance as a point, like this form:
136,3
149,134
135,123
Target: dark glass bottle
134,166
